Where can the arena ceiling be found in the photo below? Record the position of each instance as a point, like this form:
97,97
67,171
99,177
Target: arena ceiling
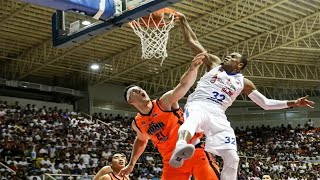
281,37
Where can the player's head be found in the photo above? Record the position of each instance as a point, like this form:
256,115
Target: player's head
266,177
234,62
117,160
134,94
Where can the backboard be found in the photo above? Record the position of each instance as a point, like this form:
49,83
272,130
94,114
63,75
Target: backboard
75,25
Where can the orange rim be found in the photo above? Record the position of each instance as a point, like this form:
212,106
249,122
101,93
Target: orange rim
148,22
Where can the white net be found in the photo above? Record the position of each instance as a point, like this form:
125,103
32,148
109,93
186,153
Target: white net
154,35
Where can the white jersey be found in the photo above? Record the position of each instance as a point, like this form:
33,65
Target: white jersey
217,87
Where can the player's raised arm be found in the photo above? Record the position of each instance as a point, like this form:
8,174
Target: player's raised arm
193,42
139,146
272,104
189,36
186,81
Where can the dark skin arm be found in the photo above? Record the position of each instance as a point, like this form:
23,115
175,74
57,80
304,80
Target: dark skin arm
191,39
300,102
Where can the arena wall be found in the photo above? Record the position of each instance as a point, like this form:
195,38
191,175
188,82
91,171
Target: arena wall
39,104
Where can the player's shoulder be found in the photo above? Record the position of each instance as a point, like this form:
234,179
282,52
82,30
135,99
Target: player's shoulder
163,104
247,82
214,67
107,169
136,120
248,86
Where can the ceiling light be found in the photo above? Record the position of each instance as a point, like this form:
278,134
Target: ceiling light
86,23
94,66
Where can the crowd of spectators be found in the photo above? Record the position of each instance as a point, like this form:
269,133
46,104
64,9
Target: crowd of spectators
282,152
35,140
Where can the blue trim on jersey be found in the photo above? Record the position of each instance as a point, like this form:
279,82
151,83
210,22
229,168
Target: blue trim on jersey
232,74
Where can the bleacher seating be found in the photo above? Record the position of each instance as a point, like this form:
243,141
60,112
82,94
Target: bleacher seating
37,140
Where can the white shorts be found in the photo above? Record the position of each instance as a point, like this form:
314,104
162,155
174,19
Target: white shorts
204,117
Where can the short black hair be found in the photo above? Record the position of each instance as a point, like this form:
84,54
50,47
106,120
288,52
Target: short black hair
126,90
244,61
111,156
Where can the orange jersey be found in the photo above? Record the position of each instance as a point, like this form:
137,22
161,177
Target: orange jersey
161,127
114,177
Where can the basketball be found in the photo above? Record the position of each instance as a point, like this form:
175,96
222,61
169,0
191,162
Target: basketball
157,15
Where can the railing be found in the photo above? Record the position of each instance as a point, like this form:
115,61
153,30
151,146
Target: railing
99,121
7,168
307,159
121,132
250,157
86,116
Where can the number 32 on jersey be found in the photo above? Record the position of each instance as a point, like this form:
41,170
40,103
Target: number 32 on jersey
217,97
230,140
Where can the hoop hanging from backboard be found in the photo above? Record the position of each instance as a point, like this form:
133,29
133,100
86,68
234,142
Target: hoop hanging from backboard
153,31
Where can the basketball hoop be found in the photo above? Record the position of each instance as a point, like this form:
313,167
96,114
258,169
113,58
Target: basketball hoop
153,31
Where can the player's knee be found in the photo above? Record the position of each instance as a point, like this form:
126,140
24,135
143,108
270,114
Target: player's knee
234,156
187,129
232,159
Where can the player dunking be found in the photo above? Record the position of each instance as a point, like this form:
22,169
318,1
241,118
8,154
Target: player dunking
117,162
205,109
159,120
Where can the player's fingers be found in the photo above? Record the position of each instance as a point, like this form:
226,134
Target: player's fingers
199,61
126,174
199,57
310,106
309,102
202,53
306,101
305,97
312,102
122,173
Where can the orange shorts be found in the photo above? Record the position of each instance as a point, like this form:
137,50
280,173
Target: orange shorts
201,166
